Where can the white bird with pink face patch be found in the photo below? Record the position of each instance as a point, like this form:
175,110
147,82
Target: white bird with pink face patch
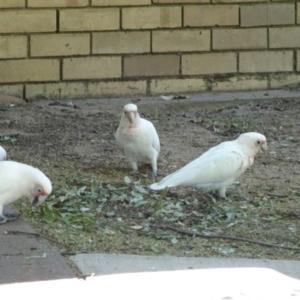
2,153
138,138
18,180
219,167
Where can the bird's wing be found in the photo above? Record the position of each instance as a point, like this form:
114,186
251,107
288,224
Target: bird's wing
204,171
152,134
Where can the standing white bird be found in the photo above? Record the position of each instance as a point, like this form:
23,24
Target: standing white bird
218,167
138,138
18,180
2,153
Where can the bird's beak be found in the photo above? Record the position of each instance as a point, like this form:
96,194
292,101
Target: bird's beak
35,201
131,116
264,147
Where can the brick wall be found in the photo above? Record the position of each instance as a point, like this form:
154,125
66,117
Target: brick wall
93,48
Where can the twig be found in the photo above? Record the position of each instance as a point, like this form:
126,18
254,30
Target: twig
276,195
270,194
36,235
224,237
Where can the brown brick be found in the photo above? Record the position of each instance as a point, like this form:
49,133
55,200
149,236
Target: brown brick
73,90
120,2
240,83
29,70
91,67
13,46
267,14
121,42
58,3
298,60
180,1
168,86
266,61
239,39
151,17
89,19
12,3
59,44
287,37
284,80
151,65
117,88
19,21
194,64
298,13
211,15
12,90
181,40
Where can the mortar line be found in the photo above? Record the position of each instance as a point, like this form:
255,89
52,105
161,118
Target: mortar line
57,21
121,18
182,17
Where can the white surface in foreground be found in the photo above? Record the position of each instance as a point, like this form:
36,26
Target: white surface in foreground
212,284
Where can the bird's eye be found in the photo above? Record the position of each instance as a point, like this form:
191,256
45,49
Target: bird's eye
37,190
257,143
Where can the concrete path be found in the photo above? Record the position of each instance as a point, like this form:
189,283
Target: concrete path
25,258
248,95
105,264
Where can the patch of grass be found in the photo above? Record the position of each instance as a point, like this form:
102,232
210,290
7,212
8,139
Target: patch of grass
89,216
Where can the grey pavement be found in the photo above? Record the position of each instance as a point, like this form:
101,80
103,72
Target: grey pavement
25,258
105,264
248,95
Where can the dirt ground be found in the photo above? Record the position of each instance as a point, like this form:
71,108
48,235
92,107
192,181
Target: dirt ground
97,205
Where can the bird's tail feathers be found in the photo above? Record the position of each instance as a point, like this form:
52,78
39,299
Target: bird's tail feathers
157,186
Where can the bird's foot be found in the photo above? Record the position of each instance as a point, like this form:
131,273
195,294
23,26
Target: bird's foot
11,217
3,219
154,173
8,217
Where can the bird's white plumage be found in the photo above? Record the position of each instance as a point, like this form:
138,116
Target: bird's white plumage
218,167
138,138
19,180
2,154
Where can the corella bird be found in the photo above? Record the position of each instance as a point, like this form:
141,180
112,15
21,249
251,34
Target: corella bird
138,138
219,167
18,180
2,153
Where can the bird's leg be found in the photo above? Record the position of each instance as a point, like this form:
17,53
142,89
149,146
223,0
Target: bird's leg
134,166
154,166
222,192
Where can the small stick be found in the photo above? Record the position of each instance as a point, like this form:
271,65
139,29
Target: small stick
276,195
36,235
224,237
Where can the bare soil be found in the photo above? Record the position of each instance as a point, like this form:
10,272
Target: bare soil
74,144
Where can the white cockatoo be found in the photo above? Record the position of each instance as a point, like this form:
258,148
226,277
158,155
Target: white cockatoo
218,167
138,138
18,180
2,153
